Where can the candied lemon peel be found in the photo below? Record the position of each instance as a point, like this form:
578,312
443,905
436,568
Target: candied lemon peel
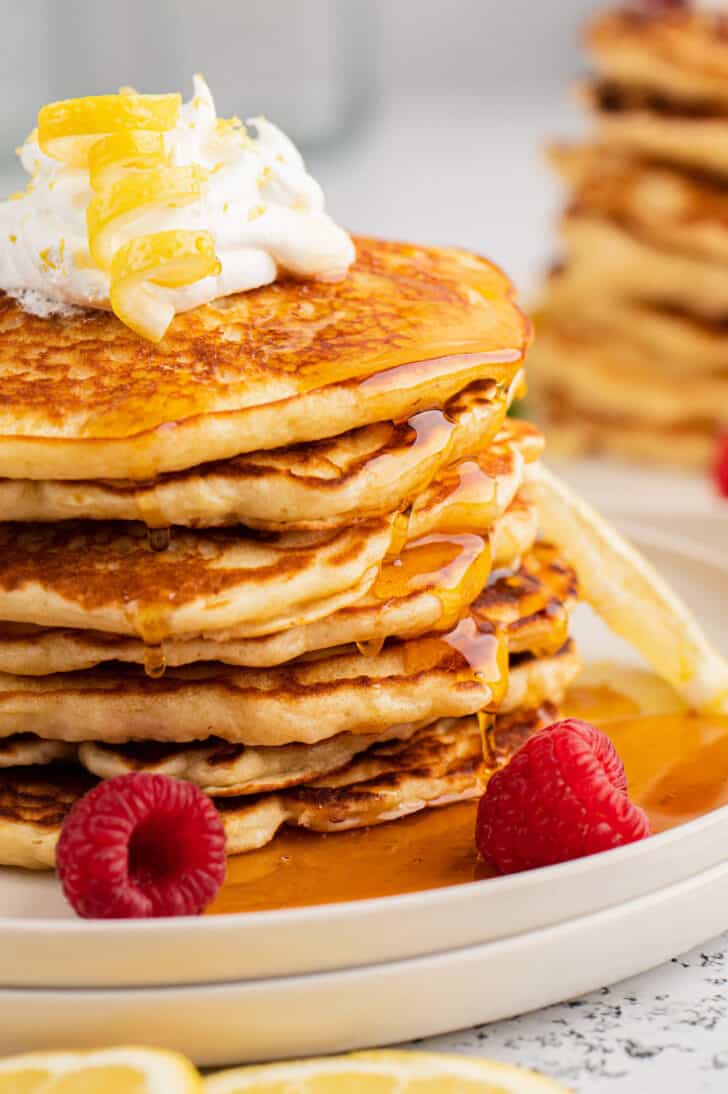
145,266
119,139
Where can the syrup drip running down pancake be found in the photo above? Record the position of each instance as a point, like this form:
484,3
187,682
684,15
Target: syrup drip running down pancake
407,329
459,672
369,472
532,605
108,577
428,586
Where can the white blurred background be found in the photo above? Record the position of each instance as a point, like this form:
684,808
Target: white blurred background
423,119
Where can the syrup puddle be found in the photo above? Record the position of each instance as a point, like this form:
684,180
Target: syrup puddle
677,769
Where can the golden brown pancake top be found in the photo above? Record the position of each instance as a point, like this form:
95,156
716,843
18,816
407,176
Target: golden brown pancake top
89,376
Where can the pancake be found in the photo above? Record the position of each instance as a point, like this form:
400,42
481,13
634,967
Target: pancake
679,54
669,207
33,804
307,701
604,258
225,770
532,606
25,749
83,397
108,577
440,764
617,378
368,472
650,128
427,587
573,432
678,341
407,683
534,680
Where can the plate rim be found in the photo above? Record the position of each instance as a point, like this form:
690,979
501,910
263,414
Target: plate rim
435,959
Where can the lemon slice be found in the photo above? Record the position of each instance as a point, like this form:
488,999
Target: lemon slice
69,128
108,213
113,1070
111,157
143,268
384,1073
631,597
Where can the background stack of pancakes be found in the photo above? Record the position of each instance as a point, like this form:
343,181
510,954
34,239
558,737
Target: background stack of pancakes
287,553
632,347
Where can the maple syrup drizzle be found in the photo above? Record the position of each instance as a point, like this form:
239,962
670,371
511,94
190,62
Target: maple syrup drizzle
453,567
152,625
473,366
432,425
483,654
463,498
371,648
486,655
155,661
486,725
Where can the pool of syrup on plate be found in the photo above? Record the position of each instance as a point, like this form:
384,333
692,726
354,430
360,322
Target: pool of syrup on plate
677,769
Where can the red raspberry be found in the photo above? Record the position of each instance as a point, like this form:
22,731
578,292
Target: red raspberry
141,845
720,467
563,795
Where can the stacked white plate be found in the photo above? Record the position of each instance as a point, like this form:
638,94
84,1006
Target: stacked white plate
233,988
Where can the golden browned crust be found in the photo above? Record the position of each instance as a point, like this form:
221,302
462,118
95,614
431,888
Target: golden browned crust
84,396
534,603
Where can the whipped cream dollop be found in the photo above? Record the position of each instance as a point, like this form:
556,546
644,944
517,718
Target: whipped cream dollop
264,211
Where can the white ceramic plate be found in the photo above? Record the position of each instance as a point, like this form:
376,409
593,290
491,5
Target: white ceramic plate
381,1004
43,945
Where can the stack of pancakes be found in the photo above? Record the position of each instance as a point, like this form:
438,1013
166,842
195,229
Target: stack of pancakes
287,553
632,347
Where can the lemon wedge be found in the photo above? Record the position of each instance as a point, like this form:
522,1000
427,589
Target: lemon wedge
68,129
144,267
631,597
384,1073
127,1070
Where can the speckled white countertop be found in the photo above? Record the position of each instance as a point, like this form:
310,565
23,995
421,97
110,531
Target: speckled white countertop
664,1031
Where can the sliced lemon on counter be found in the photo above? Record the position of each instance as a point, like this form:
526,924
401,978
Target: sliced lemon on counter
126,1070
631,597
383,1073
